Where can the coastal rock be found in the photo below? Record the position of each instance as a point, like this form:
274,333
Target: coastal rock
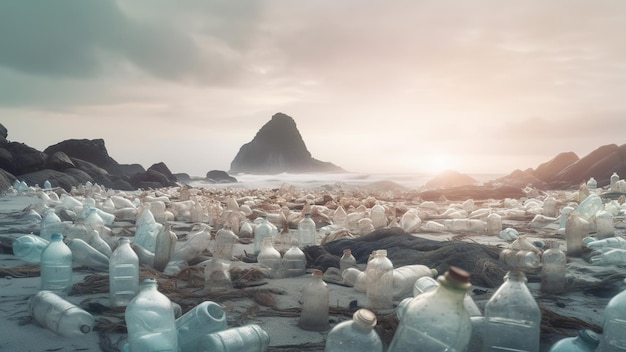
183,177
6,159
4,133
605,167
59,161
219,176
580,171
278,147
548,170
131,169
6,180
150,179
451,178
164,170
520,179
25,158
56,178
91,150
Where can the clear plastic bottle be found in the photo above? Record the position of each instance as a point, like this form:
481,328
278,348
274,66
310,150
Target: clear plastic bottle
604,224
378,216
123,274
512,317
150,321
613,338
58,315
56,265
29,248
436,320
84,254
564,215
205,318
553,269
611,242
315,304
50,223
614,180
355,278
356,335
270,258
427,283
576,228
294,262
261,231
339,216
306,231
520,258
247,338
379,281
217,274
549,207
225,240
284,239
585,341
164,247
616,256
494,224
592,184
347,260
405,276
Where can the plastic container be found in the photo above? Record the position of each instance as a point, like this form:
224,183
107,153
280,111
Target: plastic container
613,182
85,255
379,281
284,239
427,283
585,341
315,304
164,247
549,207
512,317
436,320
494,224
355,278
616,256
404,278
553,269
205,318
123,274
225,239
50,223
29,248
347,260
217,274
613,338
576,228
294,262
604,225
339,216
612,242
150,321
565,213
58,315
378,216
592,184
247,338
306,231
56,265
270,258
356,335
522,259
261,231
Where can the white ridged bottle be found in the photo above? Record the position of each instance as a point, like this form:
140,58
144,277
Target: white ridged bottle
123,274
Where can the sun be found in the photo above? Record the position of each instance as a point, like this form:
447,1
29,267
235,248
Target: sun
436,163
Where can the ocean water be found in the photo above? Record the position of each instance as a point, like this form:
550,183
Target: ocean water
316,180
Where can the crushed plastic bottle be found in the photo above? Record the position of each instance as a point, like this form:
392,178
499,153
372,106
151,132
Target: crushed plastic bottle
611,242
616,256
84,254
29,248
520,258
58,315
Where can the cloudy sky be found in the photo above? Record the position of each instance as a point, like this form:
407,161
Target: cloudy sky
374,86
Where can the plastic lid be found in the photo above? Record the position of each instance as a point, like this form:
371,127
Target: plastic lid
457,274
589,337
85,328
364,318
317,272
381,252
56,236
347,250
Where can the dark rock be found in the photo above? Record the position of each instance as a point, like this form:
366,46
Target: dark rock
605,167
59,161
79,175
278,147
450,178
6,159
548,170
3,131
473,192
131,169
220,176
183,177
25,158
519,179
150,179
56,178
164,170
91,169
6,180
580,171
93,151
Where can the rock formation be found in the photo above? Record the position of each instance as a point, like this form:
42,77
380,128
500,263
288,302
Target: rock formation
278,147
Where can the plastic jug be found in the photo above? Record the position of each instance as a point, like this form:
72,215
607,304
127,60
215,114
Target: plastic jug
56,265
294,262
84,254
306,231
123,274
379,281
205,318
270,258
261,231
58,315
247,338
585,341
356,335
29,248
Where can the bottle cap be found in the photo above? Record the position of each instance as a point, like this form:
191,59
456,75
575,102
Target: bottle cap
457,274
55,236
347,251
364,318
382,252
317,272
85,329
589,337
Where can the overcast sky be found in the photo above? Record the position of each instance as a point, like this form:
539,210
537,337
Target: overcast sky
374,86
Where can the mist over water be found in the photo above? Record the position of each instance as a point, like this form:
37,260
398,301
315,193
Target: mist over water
316,180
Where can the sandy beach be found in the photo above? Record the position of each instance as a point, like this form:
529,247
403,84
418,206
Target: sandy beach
274,304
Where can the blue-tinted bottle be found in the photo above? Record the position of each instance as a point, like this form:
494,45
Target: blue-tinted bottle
56,265
585,341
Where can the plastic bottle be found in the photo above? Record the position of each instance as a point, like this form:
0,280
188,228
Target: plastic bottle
339,216
494,224
614,180
164,247
315,304
84,254
58,315
270,258
585,341
576,228
611,242
427,283
145,256
261,230
405,276
436,320
553,269
306,231
247,338
347,260
356,335
589,206
604,224
355,278
47,185
284,239
56,265
378,216
512,317
379,281
225,239
294,262
50,223
616,256
592,184
205,318
613,338
123,274
549,207
565,213
29,248
520,258
150,321
217,274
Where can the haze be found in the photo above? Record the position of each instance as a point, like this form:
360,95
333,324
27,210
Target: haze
374,86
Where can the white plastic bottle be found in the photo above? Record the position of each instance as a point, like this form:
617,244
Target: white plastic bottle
58,315
356,335
379,281
306,231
